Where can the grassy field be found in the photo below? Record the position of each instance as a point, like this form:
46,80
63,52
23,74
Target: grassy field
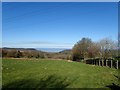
18,73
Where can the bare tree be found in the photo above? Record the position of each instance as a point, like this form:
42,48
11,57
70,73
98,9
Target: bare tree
106,46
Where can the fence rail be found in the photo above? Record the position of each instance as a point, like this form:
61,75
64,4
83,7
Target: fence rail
104,62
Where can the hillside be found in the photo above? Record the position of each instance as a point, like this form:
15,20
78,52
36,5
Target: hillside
45,73
67,51
20,49
34,53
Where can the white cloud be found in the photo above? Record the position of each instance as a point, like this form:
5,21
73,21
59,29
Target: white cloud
37,44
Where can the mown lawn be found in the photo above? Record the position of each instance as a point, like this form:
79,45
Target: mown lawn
18,73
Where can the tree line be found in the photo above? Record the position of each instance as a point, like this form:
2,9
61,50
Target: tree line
86,48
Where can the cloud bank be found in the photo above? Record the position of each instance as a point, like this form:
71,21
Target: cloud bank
37,44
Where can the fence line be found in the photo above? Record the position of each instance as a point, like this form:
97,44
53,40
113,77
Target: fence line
104,62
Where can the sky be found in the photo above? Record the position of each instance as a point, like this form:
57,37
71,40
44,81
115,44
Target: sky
57,25
60,0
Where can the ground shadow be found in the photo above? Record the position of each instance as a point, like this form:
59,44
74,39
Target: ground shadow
50,82
114,86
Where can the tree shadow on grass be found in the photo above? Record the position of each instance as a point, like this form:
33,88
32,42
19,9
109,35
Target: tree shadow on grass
50,82
114,86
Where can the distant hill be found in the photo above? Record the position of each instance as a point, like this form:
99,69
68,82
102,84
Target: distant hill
45,50
22,49
7,48
67,51
34,53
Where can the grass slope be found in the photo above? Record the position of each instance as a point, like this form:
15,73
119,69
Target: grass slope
53,73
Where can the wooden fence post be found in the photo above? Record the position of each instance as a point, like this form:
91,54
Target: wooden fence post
111,63
106,62
117,64
103,62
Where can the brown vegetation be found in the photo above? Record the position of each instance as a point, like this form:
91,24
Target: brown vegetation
33,53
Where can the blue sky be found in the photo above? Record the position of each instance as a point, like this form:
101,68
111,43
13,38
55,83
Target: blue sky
57,25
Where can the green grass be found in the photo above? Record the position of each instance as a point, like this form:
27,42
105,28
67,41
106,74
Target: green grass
19,73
